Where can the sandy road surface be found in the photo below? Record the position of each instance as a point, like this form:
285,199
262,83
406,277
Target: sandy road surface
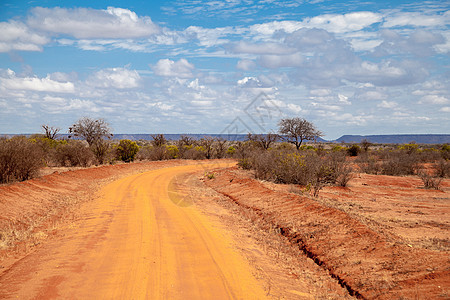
134,242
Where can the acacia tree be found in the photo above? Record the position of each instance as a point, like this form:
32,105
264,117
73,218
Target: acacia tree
296,130
50,132
94,131
263,140
159,140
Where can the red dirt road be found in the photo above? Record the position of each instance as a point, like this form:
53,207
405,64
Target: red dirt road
135,240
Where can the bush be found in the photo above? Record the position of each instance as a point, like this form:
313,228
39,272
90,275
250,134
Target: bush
429,181
48,147
400,163
172,151
73,154
353,150
197,152
369,164
442,168
231,151
152,153
304,168
126,150
445,151
20,159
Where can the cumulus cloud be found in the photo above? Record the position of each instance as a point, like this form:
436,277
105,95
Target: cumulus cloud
343,23
169,68
87,23
387,73
336,23
249,82
119,78
420,42
17,36
416,19
13,82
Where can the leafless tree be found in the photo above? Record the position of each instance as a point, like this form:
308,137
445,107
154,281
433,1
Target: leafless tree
207,143
365,144
263,140
296,130
50,132
159,140
220,147
92,130
184,143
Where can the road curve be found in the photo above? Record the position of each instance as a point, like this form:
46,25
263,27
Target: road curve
136,241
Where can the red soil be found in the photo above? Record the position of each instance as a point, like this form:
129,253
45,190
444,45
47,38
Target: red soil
369,258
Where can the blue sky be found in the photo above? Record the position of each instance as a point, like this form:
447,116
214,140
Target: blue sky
350,67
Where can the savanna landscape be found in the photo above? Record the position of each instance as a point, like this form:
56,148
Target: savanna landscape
273,216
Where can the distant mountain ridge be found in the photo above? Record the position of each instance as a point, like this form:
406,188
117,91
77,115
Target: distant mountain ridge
397,138
378,139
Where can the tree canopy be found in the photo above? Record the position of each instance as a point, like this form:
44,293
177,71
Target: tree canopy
92,130
296,130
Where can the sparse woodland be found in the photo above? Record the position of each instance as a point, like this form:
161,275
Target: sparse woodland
281,157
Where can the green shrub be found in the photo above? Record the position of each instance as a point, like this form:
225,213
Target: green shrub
353,150
230,151
172,151
126,150
304,168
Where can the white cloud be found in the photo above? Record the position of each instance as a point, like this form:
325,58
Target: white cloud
12,82
246,65
17,36
118,78
195,85
249,82
294,108
387,104
160,105
419,42
336,23
169,68
343,23
387,73
87,23
261,48
271,27
372,95
416,19
434,99
320,92
445,109
280,61
210,36
343,99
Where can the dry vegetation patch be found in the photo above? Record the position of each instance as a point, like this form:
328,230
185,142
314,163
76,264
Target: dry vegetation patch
356,233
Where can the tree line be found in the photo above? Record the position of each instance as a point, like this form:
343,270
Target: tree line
280,156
